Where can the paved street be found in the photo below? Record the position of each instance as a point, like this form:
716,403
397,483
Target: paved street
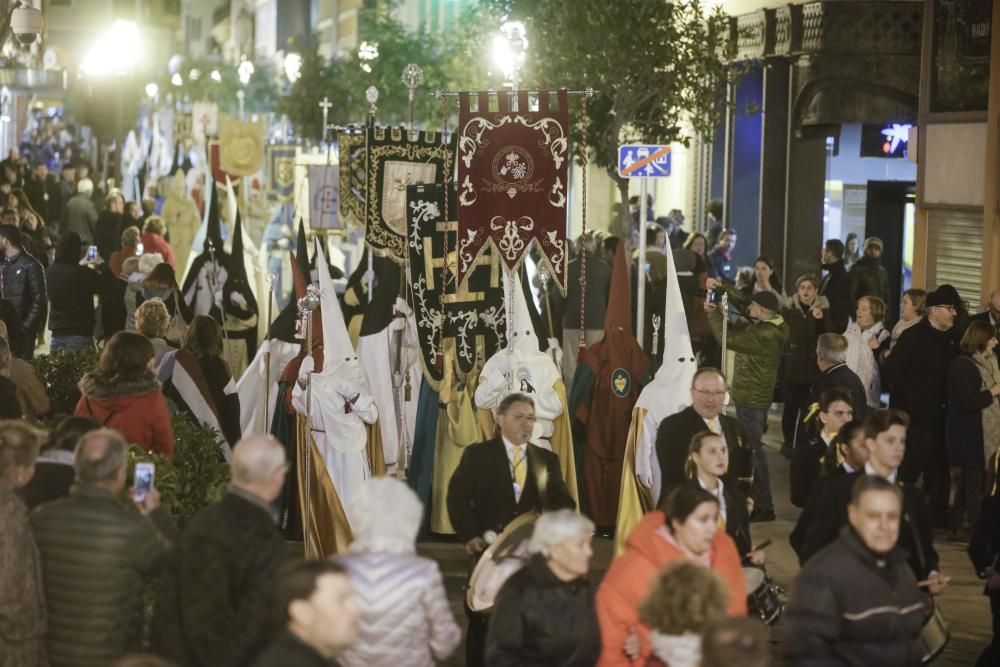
966,609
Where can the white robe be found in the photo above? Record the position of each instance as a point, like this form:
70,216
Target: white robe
251,387
535,369
340,437
376,354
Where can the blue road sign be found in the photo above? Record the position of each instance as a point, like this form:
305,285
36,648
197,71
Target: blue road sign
641,161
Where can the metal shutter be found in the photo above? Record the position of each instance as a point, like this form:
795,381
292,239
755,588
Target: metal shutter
956,252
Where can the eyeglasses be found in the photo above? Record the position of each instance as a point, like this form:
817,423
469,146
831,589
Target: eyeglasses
709,393
520,417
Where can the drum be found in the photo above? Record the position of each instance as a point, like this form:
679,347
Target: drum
507,555
763,597
934,636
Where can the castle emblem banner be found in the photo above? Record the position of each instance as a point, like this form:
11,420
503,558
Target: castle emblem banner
473,314
513,172
281,173
397,159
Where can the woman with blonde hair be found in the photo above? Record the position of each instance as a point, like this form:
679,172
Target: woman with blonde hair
866,336
544,614
153,241
22,621
400,593
152,319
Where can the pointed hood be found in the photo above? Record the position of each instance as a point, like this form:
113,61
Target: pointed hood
283,327
338,352
669,392
213,219
619,312
236,276
525,340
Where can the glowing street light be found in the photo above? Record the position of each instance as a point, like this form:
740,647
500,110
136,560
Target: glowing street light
367,52
509,49
152,90
177,79
115,51
216,76
245,70
293,67
194,74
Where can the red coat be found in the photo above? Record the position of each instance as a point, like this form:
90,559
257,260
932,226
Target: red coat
631,577
155,243
141,417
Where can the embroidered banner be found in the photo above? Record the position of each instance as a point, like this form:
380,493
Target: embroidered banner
397,159
353,176
474,315
215,160
324,192
242,145
513,169
281,173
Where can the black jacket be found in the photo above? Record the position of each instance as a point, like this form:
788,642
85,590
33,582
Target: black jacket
842,377
797,537
108,233
984,546
97,556
917,373
542,621
215,606
72,288
22,282
673,437
10,407
848,609
806,459
982,317
52,480
869,278
287,650
967,398
836,287
828,512
799,362
481,491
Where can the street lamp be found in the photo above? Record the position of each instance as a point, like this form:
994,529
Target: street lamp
177,79
152,90
245,70
293,67
367,52
115,51
216,76
509,50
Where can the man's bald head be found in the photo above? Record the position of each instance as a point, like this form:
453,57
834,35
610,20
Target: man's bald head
258,465
100,459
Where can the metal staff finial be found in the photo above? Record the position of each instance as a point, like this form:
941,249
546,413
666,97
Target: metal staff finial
412,77
371,94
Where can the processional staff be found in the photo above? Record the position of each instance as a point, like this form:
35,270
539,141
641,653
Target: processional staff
306,306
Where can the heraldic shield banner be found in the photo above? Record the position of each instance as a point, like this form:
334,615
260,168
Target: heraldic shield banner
474,316
353,175
513,169
397,159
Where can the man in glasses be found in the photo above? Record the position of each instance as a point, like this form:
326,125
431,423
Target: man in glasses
497,481
917,373
708,402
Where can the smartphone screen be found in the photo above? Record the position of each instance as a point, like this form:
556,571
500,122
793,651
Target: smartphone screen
92,253
144,473
138,249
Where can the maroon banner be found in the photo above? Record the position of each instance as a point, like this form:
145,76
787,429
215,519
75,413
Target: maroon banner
513,171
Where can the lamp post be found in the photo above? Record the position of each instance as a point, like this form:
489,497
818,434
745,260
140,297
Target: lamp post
509,50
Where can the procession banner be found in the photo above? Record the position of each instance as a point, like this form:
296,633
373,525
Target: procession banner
353,176
215,163
204,121
242,145
513,170
324,192
397,159
281,173
473,314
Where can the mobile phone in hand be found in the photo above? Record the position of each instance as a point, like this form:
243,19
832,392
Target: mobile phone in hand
138,249
92,253
144,474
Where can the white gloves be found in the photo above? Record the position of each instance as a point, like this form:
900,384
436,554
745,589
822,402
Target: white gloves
238,299
306,369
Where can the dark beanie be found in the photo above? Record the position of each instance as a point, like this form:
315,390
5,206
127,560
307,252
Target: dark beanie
766,299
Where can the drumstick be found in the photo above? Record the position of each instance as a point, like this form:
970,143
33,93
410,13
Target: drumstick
763,545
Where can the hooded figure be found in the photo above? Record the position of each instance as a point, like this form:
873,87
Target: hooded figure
669,392
279,347
605,389
180,215
344,452
522,367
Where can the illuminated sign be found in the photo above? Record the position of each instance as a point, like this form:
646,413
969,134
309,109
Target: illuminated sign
896,135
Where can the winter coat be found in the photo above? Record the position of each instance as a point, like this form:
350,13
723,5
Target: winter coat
807,458
631,577
97,556
848,609
841,377
917,373
30,391
132,299
968,397
155,243
134,406
721,266
868,277
405,618
215,604
803,331
541,621
72,288
80,216
53,478
835,286
22,282
22,600
290,651
108,234
758,349
10,407
863,360
118,258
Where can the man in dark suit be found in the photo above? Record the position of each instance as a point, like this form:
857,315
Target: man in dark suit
991,316
673,437
885,438
831,357
836,286
495,482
